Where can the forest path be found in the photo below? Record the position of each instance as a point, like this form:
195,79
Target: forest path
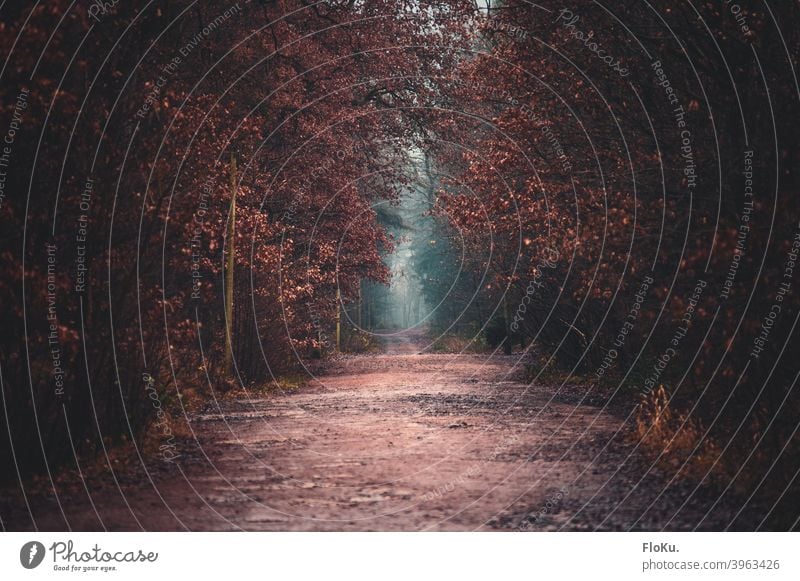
398,441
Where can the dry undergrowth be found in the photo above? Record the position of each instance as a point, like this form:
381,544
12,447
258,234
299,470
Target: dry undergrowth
676,439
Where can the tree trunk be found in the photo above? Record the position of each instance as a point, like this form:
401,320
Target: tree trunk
507,343
231,233
338,322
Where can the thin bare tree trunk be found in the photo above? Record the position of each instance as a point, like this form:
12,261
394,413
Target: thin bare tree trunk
338,322
229,274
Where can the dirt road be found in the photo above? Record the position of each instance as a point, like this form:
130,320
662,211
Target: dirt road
399,441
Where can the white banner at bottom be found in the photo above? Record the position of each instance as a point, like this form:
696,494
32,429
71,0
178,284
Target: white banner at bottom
378,556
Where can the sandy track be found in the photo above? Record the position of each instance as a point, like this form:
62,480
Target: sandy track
399,441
